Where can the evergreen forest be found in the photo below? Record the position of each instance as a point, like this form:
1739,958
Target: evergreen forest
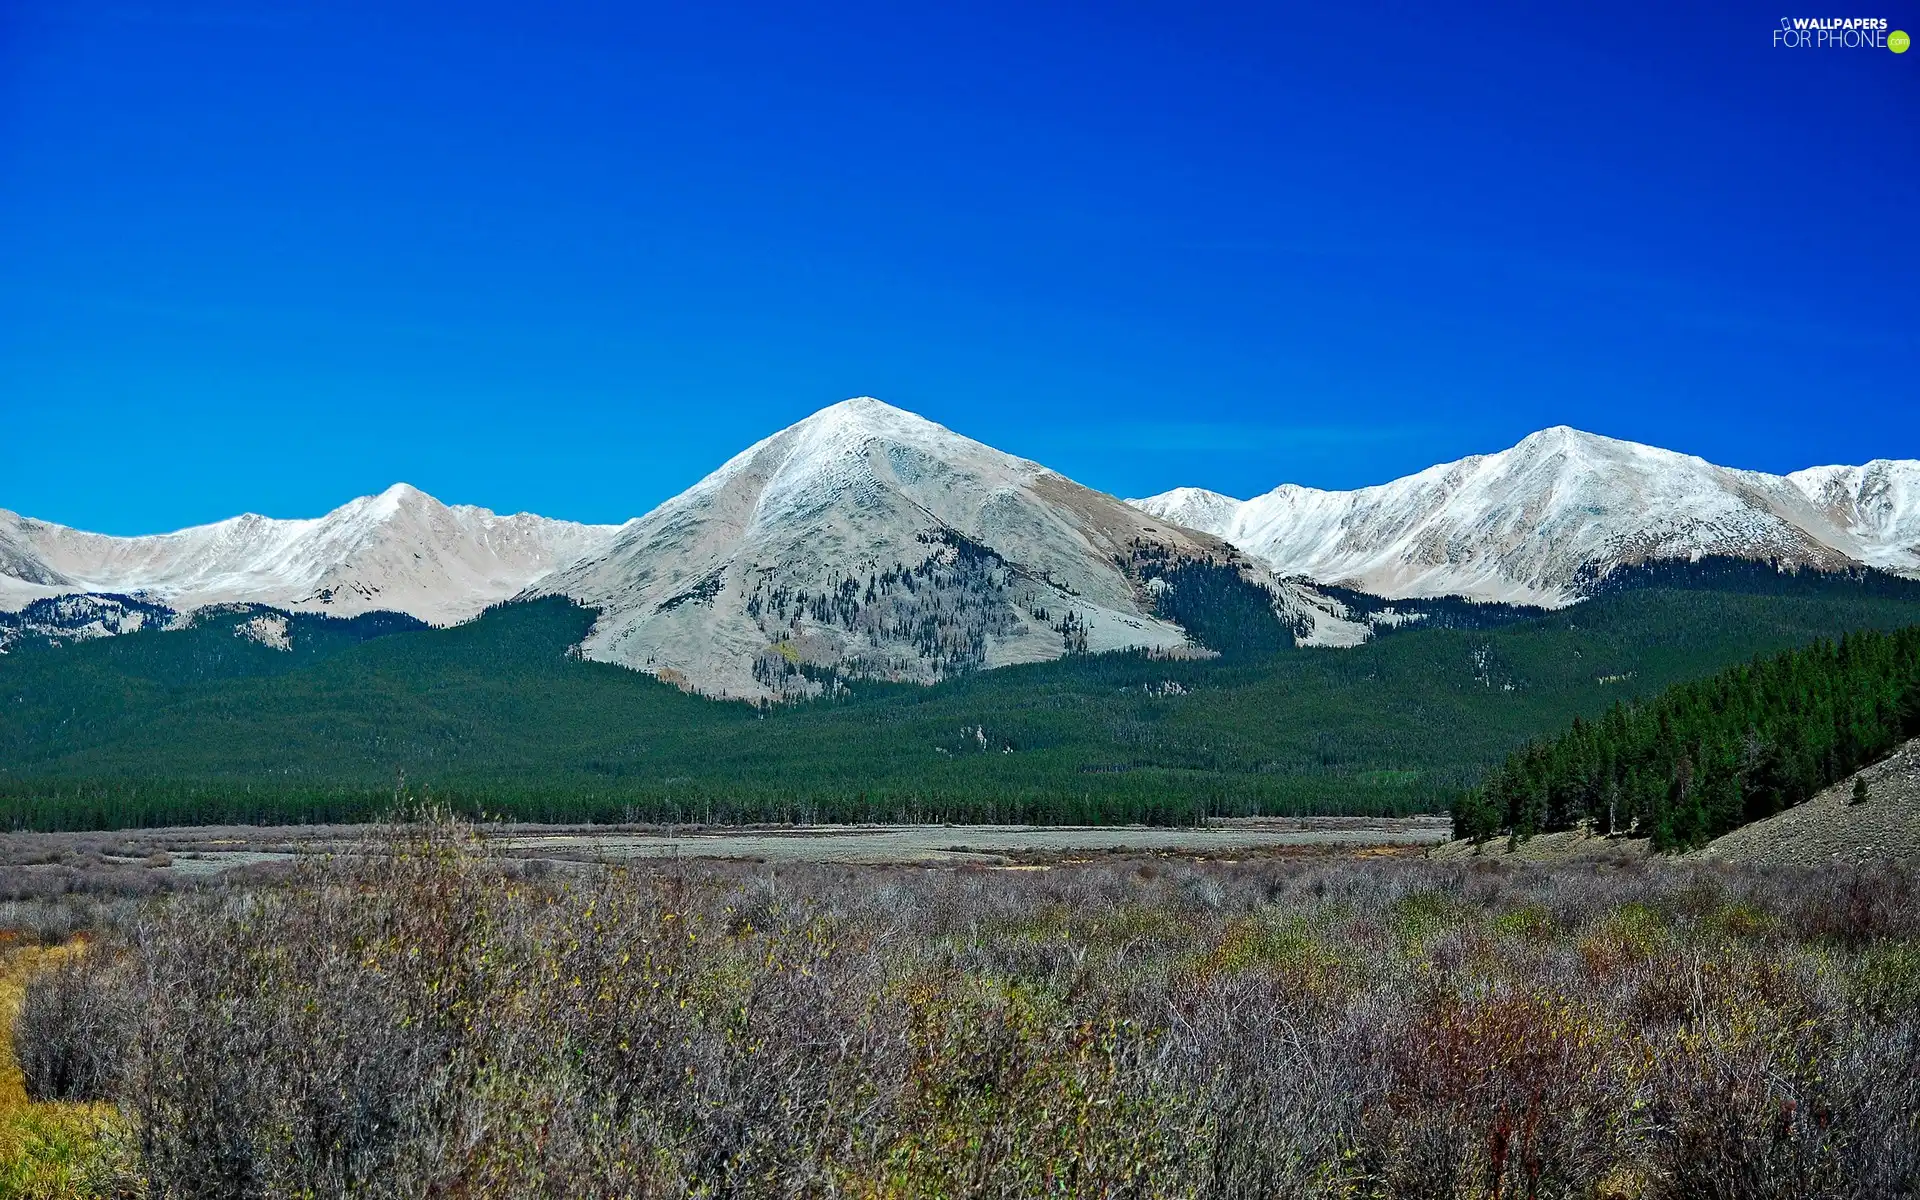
501,716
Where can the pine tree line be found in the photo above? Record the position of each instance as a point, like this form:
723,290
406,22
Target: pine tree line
1705,757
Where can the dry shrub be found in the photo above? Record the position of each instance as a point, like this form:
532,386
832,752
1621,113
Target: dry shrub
68,1037
1501,1094
1856,908
421,1018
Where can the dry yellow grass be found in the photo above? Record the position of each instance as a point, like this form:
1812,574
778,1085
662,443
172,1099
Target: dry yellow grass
47,1149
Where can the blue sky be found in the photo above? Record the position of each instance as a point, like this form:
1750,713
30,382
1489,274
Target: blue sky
568,257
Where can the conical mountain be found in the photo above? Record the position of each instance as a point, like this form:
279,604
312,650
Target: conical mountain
869,541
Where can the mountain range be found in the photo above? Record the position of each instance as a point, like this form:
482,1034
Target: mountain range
399,551
868,542
1538,523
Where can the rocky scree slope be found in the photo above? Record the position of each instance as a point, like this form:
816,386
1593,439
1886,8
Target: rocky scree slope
1832,827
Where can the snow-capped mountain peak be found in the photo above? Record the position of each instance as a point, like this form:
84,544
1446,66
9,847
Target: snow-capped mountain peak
835,449
1196,508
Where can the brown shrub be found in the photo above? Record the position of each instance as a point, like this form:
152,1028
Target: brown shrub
419,1017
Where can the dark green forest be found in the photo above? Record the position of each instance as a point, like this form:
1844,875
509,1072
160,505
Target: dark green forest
498,716
1706,757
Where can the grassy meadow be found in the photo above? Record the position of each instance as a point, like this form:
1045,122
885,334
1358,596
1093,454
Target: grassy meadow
425,1017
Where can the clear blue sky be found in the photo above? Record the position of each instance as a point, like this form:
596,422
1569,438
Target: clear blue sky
568,257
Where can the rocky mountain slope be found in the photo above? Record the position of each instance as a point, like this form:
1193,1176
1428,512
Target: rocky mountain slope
868,541
1878,505
1534,523
401,551
79,617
